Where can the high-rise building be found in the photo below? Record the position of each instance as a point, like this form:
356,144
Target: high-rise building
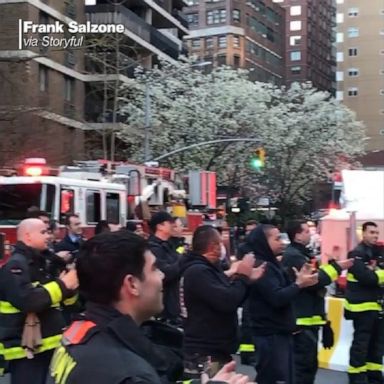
51,97
309,36
242,34
360,64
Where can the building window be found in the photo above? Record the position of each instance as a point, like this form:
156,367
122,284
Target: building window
353,72
295,10
353,32
43,78
340,18
236,41
352,52
193,19
340,57
221,60
339,37
216,16
69,89
339,95
236,15
352,92
192,2
296,70
209,42
236,61
196,43
339,76
294,40
295,56
353,12
222,41
295,25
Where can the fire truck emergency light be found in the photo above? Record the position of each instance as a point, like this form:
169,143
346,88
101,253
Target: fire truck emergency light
34,167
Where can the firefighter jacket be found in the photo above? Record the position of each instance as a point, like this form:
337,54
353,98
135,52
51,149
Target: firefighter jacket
364,280
168,262
107,347
309,304
26,287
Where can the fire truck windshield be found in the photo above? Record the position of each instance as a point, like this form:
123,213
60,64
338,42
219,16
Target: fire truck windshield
15,199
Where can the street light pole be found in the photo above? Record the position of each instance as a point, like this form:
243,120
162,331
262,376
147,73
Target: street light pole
148,110
147,120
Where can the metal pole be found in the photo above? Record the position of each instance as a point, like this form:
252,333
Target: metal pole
147,121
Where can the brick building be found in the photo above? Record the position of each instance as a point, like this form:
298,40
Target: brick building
309,41
47,103
242,34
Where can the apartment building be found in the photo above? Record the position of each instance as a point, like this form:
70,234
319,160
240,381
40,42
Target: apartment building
47,94
309,37
242,34
360,64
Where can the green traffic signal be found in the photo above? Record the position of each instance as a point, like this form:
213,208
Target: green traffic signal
257,163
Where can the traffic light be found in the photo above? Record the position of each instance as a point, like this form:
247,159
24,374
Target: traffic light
258,159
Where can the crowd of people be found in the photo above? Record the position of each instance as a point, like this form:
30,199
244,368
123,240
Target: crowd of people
124,307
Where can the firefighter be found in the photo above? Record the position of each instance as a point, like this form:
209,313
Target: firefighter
120,279
309,305
364,306
30,320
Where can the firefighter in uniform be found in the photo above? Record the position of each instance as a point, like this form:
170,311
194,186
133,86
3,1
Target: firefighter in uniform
309,304
364,306
120,279
30,319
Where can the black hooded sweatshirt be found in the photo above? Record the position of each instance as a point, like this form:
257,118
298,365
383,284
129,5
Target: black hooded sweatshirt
270,302
211,300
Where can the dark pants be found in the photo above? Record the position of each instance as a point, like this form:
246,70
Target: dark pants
305,348
367,349
275,361
30,370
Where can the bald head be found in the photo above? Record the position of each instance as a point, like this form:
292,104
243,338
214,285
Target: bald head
33,233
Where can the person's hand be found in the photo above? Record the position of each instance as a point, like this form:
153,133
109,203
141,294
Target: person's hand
65,255
227,375
70,279
258,272
305,277
345,264
245,266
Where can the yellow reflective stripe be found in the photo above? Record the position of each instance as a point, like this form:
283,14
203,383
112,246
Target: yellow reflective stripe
71,300
247,348
374,367
187,382
380,275
357,369
180,249
2,371
351,278
47,344
8,308
331,271
54,291
308,321
361,307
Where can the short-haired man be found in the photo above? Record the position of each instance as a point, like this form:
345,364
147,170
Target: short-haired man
30,320
364,305
120,279
243,248
212,299
177,240
309,304
73,238
161,226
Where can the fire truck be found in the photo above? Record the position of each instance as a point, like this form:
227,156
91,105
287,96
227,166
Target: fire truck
97,190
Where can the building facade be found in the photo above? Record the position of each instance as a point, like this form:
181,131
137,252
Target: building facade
309,37
360,64
242,34
49,96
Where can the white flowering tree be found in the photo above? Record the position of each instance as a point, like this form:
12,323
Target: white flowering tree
305,133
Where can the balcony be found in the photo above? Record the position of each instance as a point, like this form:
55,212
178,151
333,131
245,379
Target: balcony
108,13
180,16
